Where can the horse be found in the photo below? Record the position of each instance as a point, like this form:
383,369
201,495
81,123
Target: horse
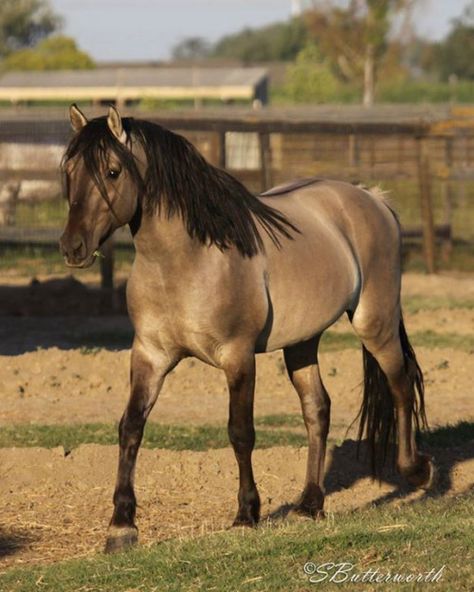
222,275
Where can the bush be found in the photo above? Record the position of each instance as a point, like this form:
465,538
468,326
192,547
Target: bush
311,80
54,53
426,92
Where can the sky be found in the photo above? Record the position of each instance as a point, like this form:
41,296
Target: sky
130,30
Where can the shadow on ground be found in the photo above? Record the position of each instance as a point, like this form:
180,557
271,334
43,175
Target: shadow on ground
64,313
14,540
448,445
19,335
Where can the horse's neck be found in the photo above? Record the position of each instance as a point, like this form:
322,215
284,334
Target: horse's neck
165,241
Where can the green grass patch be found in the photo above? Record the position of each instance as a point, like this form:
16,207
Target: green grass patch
281,420
332,341
411,539
434,340
32,260
172,437
46,214
414,304
272,430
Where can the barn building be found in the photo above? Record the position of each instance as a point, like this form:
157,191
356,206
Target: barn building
125,85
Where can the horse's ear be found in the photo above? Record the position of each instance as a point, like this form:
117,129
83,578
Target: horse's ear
78,119
114,121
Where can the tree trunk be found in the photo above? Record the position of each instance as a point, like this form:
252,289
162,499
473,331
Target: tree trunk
369,75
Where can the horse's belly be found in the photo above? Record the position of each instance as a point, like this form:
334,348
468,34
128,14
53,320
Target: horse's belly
306,298
303,321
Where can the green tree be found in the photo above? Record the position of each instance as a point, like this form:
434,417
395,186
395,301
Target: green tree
25,22
355,38
310,78
456,54
277,42
53,53
192,48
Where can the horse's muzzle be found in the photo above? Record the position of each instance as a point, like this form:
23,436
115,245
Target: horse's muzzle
74,250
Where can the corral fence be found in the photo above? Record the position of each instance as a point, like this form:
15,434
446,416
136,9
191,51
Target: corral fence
424,156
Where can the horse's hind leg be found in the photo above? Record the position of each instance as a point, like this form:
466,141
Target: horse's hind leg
390,364
147,376
303,369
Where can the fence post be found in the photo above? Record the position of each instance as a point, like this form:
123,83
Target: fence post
426,206
265,160
446,188
222,157
107,275
353,151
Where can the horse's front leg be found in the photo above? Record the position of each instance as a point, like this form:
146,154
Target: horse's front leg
148,370
240,373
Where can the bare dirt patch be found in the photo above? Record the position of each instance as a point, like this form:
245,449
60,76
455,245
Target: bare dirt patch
67,386
57,507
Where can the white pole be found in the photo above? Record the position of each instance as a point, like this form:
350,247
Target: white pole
296,8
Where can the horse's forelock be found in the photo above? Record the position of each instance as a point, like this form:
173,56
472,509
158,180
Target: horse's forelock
93,144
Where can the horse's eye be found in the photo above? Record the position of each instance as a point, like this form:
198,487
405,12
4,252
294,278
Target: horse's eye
113,173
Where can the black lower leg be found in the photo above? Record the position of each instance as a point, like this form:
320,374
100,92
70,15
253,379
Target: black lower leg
242,437
146,381
130,434
243,441
122,530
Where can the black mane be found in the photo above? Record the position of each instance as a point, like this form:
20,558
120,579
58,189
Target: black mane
215,207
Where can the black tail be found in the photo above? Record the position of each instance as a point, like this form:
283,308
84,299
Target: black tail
377,412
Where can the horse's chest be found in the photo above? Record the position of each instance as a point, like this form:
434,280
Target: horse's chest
173,320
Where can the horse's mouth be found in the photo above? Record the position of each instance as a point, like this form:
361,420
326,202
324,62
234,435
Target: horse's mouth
84,263
80,263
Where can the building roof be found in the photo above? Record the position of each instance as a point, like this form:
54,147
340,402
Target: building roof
132,83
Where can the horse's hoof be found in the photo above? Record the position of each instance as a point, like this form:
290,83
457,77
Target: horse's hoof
424,474
246,518
121,538
309,511
311,502
247,523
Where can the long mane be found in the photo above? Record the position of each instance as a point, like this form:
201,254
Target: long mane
215,207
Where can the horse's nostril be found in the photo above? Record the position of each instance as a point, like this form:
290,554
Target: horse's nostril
78,250
72,247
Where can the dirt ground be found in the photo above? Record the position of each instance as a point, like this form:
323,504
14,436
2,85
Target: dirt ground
56,506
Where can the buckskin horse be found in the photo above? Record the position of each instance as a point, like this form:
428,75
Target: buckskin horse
221,274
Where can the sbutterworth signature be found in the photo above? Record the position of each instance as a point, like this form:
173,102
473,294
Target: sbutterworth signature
345,572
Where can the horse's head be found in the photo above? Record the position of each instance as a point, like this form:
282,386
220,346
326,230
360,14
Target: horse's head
102,183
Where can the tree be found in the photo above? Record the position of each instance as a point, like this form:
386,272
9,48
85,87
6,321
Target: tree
25,22
456,54
53,53
277,42
355,38
310,78
192,48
